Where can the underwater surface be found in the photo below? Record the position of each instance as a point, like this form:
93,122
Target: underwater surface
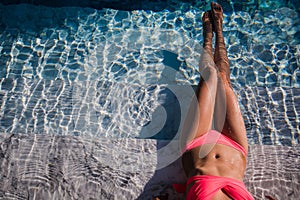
63,69
81,80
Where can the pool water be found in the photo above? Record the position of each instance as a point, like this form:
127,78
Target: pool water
64,69
77,81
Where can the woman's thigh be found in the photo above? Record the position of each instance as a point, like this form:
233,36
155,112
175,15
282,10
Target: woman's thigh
199,118
234,126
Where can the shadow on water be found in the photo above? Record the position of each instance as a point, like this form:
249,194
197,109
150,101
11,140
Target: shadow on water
168,100
167,146
159,5
172,108
128,5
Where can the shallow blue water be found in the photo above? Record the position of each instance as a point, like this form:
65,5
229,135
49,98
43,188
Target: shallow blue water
75,69
63,68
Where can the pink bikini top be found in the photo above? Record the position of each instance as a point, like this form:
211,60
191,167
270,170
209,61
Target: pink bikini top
206,186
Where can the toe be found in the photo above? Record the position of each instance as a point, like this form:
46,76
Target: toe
212,5
216,7
205,16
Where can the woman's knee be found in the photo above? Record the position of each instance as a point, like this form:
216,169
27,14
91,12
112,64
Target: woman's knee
225,79
209,73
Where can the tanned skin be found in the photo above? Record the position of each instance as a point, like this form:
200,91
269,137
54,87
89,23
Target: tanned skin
218,105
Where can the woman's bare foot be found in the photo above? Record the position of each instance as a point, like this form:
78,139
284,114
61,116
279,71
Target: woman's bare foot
217,15
207,32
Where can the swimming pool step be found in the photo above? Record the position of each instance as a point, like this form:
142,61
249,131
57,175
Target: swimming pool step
69,167
111,109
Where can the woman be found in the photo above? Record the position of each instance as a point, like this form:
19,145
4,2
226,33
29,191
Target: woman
214,160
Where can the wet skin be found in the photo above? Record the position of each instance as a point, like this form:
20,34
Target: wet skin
215,93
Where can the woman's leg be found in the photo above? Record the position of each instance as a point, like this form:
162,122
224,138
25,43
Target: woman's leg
207,32
220,54
234,124
200,115
207,88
